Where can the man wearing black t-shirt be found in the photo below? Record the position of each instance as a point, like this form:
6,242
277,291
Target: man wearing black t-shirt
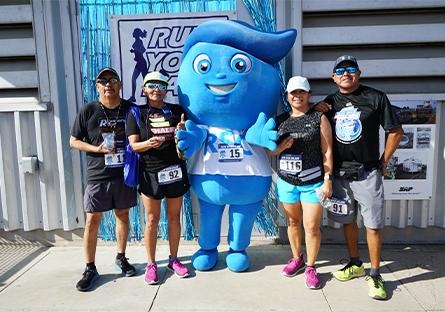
356,113
99,130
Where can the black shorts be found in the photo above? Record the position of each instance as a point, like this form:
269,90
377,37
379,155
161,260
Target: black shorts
150,186
104,196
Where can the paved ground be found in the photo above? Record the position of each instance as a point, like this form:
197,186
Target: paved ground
414,278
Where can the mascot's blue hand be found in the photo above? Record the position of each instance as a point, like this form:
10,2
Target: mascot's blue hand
262,133
190,139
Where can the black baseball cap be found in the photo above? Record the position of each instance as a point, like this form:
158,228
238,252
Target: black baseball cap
107,69
345,58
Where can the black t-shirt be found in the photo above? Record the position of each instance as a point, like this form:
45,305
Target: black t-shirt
305,130
93,122
157,122
356,118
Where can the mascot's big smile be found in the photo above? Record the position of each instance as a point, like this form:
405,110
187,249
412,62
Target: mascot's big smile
221,90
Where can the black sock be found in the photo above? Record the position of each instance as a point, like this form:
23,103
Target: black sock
356,261
374,272
91,266
120,255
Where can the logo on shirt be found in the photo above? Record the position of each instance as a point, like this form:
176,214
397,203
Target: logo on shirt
160,126
348,127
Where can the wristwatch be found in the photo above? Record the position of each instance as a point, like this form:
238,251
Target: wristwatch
329,177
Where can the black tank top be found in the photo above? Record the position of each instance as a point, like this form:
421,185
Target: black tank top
302,164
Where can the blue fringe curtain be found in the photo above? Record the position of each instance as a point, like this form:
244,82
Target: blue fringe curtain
263,16
95,49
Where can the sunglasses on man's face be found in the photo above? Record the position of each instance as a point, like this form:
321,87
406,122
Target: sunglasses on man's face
160,86
341,70
112,80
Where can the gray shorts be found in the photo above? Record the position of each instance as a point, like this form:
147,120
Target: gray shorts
104,196
366,193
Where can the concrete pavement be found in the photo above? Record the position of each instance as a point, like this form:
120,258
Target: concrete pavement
414,278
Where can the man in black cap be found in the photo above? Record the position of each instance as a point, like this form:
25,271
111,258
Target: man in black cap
356,113
99,130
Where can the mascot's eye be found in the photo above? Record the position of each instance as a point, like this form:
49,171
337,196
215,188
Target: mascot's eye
202,64
240,63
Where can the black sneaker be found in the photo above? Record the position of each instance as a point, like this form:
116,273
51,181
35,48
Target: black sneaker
88,279
126,268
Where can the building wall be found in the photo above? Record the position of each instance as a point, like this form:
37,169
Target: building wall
39,89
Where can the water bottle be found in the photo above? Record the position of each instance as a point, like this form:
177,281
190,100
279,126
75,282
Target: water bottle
108,140
325,203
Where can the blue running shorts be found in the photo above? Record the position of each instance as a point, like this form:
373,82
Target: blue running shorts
291,194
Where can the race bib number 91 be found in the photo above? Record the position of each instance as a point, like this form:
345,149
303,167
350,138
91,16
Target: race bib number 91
338,206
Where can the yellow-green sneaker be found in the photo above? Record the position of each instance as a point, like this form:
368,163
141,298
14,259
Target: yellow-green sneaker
376,289
350,271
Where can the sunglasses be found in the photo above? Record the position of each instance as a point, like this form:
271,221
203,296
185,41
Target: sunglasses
160,86
104,82
341,70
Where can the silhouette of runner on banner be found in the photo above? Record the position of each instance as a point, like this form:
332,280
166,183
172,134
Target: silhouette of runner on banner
140,68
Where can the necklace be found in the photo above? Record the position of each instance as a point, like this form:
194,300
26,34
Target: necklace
112,126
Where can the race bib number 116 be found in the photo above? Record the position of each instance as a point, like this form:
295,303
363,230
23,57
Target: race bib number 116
290,163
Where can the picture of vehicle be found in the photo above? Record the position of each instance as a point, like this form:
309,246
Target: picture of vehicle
405,167
412,165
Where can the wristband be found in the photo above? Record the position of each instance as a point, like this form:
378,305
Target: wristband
328,177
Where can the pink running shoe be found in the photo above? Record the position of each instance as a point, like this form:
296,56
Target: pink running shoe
151,274
177,267
312,280
293,266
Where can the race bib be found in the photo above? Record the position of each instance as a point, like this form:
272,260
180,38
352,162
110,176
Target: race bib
338,206
230,152
170,174
115,159
291,164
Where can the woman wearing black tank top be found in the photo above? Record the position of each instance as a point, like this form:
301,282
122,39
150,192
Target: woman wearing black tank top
305,164
161,173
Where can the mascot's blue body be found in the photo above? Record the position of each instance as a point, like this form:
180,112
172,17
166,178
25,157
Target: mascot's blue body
229,88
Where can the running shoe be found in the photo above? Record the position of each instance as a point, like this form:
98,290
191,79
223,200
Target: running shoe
175,266
312,280
293,266
376,289
350,271
126,268
87,280
151,274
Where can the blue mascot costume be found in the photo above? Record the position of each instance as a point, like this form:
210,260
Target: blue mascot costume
229,88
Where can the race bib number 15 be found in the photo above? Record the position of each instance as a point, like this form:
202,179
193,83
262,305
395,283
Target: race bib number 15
232,152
